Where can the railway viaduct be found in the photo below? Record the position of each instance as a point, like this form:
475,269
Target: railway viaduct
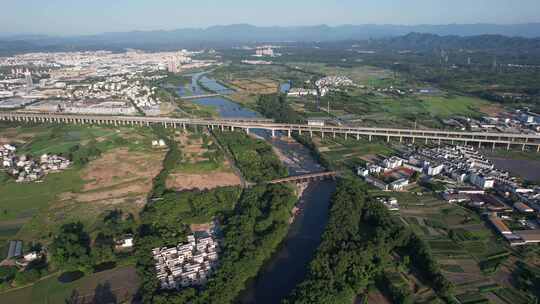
508,140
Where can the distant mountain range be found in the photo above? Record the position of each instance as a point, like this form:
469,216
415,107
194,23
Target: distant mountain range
230,35
423,42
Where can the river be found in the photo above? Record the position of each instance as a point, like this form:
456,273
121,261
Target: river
289,265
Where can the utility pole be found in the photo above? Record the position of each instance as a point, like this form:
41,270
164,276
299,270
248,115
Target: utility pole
328,106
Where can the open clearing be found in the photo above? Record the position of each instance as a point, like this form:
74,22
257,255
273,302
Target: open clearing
203,165
181,181
119,179
255,86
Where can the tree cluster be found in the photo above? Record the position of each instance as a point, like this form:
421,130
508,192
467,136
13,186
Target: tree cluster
251,233
253,157
356,248
277,107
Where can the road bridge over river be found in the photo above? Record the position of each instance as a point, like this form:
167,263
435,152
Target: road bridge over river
491,139
305,177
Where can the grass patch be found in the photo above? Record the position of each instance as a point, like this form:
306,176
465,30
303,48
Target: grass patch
472,298
123,280
21,200
453,268
512,296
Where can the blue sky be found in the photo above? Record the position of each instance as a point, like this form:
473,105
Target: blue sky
68,17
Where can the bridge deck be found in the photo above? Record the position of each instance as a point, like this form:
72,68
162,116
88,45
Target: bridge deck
523,139
310,176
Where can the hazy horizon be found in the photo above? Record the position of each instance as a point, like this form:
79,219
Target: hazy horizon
8,34
64,18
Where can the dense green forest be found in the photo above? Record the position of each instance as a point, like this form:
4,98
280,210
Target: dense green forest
356,248
252,230
255,158
173,157
275,106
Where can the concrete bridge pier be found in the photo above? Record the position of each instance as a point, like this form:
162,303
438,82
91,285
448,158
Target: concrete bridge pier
370,136
357,136
289,133
310,133
273,133
247,131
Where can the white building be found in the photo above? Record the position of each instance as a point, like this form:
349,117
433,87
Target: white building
393,162
399,184
482,181
434,170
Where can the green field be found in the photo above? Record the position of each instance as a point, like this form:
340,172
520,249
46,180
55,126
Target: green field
123,284
438,106
200,154
348,153
25,200
424,109
25,206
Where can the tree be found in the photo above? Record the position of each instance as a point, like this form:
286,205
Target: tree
7,273
103,250
71,247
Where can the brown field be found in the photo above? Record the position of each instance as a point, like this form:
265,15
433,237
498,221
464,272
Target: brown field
258,85
191,173
119,179
118,174
491,109
12,136
122,283
181,181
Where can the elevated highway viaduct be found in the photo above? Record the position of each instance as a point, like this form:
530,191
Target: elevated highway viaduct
508,140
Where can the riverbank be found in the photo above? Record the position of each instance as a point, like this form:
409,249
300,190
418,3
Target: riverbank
289,264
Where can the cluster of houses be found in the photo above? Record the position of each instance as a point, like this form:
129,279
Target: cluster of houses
25,169
469,178
188,264
514,237
324,85
390,174
519,121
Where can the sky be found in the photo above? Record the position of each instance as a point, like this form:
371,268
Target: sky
77,17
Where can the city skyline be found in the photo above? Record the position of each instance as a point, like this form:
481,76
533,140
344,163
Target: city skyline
61,17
